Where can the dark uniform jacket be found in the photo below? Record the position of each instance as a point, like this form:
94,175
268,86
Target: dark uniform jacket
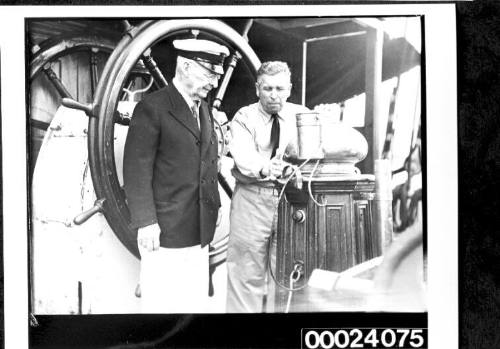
170,169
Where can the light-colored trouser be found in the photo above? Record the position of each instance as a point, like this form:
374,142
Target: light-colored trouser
174,280
252,219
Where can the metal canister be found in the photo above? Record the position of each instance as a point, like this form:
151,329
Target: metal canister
309,136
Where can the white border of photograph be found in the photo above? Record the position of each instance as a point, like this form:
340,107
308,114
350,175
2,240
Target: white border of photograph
441,144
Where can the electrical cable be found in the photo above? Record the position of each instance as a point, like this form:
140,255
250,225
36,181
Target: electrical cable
309,186
271,238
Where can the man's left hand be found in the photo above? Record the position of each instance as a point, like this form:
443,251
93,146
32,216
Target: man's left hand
148,237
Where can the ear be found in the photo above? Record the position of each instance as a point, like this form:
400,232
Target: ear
185,66
257,89
289,91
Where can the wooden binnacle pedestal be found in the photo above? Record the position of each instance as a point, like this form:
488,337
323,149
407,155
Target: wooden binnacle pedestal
332,232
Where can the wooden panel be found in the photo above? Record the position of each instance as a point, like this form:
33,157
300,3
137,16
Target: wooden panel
336,236
84,81
335,243
338,233
367,241
363,248
374,241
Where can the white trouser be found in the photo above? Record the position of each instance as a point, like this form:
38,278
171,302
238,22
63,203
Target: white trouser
174,280
253,217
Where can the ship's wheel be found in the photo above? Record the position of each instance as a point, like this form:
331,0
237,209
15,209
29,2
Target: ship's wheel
136,47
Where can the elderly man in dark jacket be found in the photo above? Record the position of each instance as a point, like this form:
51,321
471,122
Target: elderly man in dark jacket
170,177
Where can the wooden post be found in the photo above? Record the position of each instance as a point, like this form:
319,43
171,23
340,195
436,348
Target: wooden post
373,83
375,134
304,71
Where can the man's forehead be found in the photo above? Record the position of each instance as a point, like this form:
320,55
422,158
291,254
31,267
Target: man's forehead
280,79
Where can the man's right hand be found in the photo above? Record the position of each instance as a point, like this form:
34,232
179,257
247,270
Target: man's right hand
274,168
148,237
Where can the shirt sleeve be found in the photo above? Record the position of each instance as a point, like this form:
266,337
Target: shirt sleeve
243,147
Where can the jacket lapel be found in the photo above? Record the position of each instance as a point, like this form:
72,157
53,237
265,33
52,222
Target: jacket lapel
181,112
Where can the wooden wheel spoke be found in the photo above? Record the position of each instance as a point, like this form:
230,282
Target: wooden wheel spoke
233,61
94,77
56,82
126,26
221,91
153,69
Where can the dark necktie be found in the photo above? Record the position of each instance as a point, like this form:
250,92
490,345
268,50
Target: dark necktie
275,134
194,110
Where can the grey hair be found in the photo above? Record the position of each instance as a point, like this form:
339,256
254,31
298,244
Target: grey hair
273,68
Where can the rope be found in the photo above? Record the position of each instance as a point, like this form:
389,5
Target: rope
293,279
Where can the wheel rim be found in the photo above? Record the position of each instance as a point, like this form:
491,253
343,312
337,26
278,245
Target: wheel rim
101,127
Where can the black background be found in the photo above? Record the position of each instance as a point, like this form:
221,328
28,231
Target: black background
478,31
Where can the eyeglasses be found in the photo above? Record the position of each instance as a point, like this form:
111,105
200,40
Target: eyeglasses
209,75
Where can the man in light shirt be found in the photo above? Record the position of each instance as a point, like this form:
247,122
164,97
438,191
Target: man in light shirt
170,180
260,133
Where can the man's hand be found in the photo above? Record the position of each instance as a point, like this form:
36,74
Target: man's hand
274,168
148,237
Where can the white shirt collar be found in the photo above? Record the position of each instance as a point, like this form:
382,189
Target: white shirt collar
266,116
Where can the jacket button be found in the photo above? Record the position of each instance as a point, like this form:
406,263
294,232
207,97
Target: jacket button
202,181
197,142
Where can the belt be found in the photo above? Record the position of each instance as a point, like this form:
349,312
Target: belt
260,189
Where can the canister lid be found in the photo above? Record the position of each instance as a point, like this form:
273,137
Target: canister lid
308,119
